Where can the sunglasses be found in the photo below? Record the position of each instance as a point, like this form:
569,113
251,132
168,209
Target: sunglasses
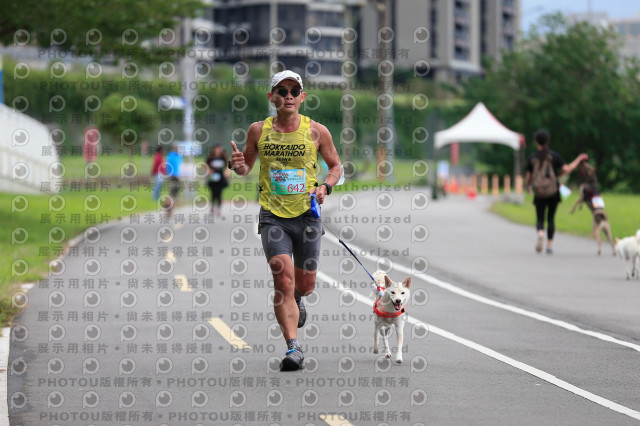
295,92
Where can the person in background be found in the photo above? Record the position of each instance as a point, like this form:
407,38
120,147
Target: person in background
157,171
217,178
548,203
174,162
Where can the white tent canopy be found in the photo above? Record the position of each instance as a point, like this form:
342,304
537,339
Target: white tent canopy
478,126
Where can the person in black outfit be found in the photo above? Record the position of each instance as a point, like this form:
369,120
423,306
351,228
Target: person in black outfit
217,177
549,204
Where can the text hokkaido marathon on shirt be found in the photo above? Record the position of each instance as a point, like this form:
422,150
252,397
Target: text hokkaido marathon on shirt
288,168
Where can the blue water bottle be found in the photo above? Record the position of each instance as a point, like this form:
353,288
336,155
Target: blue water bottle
315,207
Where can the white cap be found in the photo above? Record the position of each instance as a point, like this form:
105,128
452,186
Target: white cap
286,75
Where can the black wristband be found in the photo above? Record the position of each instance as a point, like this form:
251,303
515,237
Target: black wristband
329,187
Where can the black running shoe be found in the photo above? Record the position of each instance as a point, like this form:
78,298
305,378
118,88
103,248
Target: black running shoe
293,361
303,312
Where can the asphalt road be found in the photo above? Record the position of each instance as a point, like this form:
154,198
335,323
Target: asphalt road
171,323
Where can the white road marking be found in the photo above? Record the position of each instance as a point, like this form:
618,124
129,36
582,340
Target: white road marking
547,377
469,295
502,358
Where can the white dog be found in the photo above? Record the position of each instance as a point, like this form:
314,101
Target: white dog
629,251
389,309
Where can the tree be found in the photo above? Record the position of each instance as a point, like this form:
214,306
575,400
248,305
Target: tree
92,28
127,118
570,80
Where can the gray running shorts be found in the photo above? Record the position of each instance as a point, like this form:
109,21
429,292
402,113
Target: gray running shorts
297,236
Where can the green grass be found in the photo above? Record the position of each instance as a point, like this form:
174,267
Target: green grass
623,211
38,222
110,165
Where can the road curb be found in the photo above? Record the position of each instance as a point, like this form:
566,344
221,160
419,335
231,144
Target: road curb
4,361
5,338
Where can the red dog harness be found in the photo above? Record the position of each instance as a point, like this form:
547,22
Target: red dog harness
385,314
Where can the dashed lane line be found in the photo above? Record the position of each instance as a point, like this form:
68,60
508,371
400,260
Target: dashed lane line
183,284
335,420
228,334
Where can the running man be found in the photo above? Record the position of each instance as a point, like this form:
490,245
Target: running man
288,145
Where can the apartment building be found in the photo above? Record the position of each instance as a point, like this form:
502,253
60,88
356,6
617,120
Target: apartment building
451,35
629,31
443,40
301,35
440,39
627,28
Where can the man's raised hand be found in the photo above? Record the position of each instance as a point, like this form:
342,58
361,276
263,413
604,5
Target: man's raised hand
237,157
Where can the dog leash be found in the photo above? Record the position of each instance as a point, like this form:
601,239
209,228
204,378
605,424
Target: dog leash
376,310
348,249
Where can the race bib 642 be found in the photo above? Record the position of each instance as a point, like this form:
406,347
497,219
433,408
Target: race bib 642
288,181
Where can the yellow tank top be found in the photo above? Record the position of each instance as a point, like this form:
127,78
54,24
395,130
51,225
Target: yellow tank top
288,168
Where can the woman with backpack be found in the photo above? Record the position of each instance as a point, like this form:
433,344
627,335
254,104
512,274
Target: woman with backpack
543,169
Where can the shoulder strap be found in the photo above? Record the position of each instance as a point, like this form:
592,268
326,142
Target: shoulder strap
550,161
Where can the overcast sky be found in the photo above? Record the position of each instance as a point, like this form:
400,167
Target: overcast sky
533,9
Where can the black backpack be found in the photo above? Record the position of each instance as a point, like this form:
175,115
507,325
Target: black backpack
544,179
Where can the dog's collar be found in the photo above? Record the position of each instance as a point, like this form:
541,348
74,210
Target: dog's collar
385,314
